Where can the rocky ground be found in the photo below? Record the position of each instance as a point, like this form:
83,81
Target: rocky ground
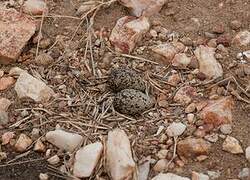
125,89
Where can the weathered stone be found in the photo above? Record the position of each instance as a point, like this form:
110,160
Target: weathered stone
181,61
207,62
4,118
248,153
242,38
23,143
176,129
232,145
218,112
53,160
161,165
168,50
6,137
35,7
144,7
192,147
162,154
127,32
86,159
39,146
244,173
6,82
29,87
226,128
143,170
169,176
199,176
15,31
16,71
119,156
174,79
44,59
185,95
64,140
4,104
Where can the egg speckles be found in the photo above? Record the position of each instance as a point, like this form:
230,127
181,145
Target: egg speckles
124,78
131,101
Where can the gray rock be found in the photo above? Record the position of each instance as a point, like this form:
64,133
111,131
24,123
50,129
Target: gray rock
176,129
124,78
248,153
213,174
4,119
226,128
130,101
244,173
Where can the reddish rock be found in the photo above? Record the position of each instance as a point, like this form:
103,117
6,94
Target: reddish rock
144,7
6,137
6,82
127,32
15,31
185,95
224,39
219,28
168,50
192,147
218,112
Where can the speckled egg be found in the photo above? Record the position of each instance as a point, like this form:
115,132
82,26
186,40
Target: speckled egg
124,78
131,102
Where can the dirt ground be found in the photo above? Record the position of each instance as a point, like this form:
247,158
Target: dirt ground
75,104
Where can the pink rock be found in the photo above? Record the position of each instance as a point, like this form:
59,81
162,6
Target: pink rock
207,62
242,38
35,7
174,79
185,95
15,31
181,61
144,7
4,104
6,137
218,112
168,50
127,32
6,82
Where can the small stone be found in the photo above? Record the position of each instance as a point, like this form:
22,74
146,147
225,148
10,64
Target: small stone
6,137
35,133
226,129
64,140
3,156
53,160
213,138
213,174
4,118
29,87
85,7
24,113
127,32
242,38
218,112
248,153
16,71
224,39
244,173
185,95
174,79
86,159
207,62
190,108
246,55
144,8
23,143
190,118
186,41
6,82
15,31
144,170
35,7
169,176
232,145
201,158
39,146
199,176
44,59
44,43
153,33
176,129
119,156
161,165
218,28
192,147
235,24
43,176
162,154
181,61
212,43
4,104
